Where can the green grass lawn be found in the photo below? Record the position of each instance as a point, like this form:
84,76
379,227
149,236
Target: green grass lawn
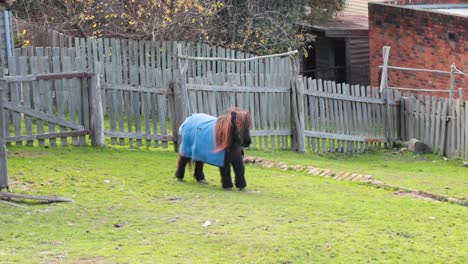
428,172
130,209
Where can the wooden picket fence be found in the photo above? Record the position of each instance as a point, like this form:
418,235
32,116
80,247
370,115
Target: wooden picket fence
140,80
346,118
228,79
442,123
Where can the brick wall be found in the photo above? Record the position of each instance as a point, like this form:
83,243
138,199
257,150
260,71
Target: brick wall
418,39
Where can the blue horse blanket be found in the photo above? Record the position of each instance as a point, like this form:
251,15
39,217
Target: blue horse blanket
198,143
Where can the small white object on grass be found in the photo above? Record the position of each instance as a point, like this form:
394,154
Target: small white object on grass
207,223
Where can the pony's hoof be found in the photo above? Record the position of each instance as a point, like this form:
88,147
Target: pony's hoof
202,181
227,188
241,189
180,179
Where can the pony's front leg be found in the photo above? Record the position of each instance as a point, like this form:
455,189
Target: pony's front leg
181,163
198,174
237,161
225,171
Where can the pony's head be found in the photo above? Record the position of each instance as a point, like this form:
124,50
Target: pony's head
233,128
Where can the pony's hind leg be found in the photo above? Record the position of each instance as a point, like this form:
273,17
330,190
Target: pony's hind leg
198,174
181,163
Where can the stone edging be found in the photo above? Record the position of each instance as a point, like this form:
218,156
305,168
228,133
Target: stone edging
346,176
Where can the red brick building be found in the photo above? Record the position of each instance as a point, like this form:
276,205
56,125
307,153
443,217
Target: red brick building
429,34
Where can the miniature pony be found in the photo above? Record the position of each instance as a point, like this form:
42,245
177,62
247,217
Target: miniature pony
216,141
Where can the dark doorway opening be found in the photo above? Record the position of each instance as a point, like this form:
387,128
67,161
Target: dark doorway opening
326,59
339,51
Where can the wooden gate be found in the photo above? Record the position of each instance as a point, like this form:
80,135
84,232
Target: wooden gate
137,91
346,118
46,98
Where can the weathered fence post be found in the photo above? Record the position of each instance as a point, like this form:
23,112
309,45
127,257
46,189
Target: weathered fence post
180,96
463,125
96,112
6,49
297,124
3,158
452,80
384,86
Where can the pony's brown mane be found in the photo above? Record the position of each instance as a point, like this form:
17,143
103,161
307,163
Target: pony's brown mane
224,126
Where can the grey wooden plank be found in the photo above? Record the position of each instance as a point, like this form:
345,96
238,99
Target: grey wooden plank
370,119
128,112
342,118
135,101
59,96
451,128
48,99
154,116
82,98
326,135
466,130
360,129
139,136
45,76
315,110
346,97
349,118
328,116
266,132
36,67
416,118
109,68
141,53
433,130
145,98
443,122
427,117
54,135
322,114
438,125
164,55
421,123
119,99
365,122
378,113
41,116
162,107
75,100
456,141
158,52
124,47
15,94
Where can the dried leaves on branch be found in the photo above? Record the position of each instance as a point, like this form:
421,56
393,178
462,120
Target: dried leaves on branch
252,25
